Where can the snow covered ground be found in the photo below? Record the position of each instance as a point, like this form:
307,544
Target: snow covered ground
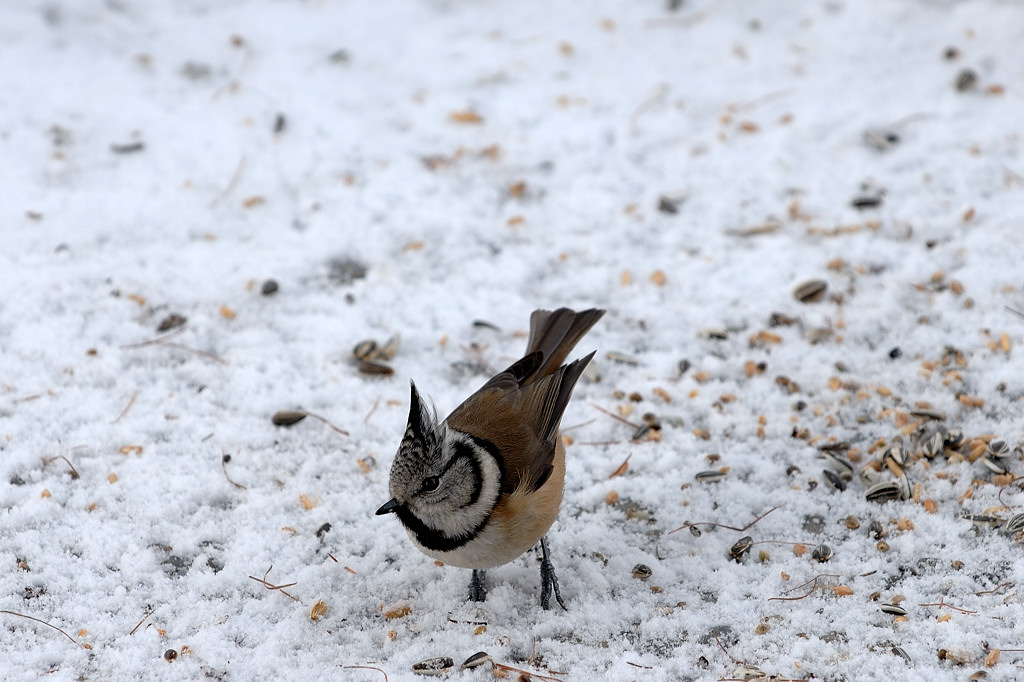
413,168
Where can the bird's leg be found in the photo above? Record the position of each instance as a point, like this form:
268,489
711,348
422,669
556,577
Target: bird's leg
548,580
477,591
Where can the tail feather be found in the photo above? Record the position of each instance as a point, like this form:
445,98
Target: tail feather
555,333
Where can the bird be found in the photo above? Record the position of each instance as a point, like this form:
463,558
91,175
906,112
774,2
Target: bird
484,485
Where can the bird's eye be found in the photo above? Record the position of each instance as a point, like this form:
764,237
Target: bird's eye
430,483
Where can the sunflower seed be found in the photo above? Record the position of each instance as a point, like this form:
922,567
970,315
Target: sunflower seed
375,368
822,553
954,438
433,666
621,358
866,201
893,609
642,572
834,480
477,659
869,476
269,287
966,80
1015,524
711,476
999,449
906,492
810,291
748,672
365,350
883,492
898,651
982,519
933,446
994,465
928,413
741,547
287,417
841,465
897,453
389,349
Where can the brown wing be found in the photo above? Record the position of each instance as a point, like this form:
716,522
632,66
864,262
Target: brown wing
517,412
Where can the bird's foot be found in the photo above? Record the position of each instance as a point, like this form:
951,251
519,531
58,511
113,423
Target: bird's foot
548,579
477,591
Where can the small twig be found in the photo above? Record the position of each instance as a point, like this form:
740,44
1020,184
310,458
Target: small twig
153,342
637,665
74,471
126,407
366,667
231,183
202,353
615,416
275,587
721,646
325,421
622,467
530,675
224,459
809,593
465,622
993,590
942,602
1015,311
722,525
49,625
163,341
641,108
563,429
372,410
139,624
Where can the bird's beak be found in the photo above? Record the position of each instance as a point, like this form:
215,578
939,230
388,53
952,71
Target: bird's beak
388,507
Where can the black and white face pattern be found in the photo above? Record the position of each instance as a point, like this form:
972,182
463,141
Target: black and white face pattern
445,483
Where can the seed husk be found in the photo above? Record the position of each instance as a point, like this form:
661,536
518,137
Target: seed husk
433,666
374,368
642,572
269,287
933,446
928,413
898,651
621,358
741,547
365,350
998,448
852,522
811,291
822,553
834,480
841,465
287,417
477,659
389,349
954,438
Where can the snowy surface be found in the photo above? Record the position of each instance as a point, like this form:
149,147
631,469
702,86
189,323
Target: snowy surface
413,167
